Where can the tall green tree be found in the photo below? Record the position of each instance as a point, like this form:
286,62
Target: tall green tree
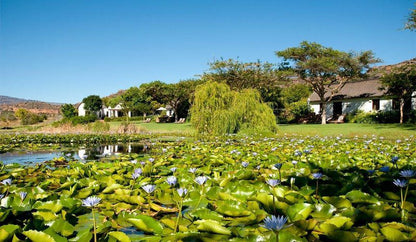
134,99
180,95
68,110
262,76
401,83
411,21
92,103
325,69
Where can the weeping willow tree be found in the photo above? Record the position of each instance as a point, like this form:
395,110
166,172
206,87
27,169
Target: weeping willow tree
218,110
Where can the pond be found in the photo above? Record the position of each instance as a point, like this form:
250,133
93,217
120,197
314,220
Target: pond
78,153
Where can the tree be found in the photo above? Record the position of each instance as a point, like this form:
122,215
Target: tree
262,76
92,103
218,110
401,83
68,111
411,21
135,100
180,95
326,70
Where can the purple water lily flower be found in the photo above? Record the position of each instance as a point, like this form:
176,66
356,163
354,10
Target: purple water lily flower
400,183
192,170
91,201
171,180
317,175
7,182
201,180
182,191
408,173
22,195
244,164
273,182
149,188
275,223
136,174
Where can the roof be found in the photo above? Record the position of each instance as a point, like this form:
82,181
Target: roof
360,89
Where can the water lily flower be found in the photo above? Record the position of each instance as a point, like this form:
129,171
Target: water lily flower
254,153
7,182
149,188
192,170
142,163
400,183
1,196
275,223
294,162
173,169
91,201
408,173
22,195
244,164
133,161
385,169
151,160
273,182
171,180
136,174
182,191
298,153
278,165
201,180
394,159
164,150
317,175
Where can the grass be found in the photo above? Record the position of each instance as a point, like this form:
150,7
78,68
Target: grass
388,131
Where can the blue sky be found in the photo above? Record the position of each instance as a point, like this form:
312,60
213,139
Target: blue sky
63,51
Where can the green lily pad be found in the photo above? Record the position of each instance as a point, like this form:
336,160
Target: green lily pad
299,211
212,226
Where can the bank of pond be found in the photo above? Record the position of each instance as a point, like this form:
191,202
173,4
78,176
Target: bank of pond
229,188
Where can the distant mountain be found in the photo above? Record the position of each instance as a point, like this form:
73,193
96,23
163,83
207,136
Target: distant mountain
13,100
12,103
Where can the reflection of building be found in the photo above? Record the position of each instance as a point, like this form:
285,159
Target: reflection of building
109,150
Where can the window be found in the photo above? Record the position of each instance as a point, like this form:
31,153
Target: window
376,104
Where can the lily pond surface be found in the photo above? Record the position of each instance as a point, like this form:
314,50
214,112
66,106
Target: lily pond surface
229,188
82,153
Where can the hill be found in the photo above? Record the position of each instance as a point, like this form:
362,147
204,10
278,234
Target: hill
12,104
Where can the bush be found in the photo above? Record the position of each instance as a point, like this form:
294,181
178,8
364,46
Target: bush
99,126
379,117
83,119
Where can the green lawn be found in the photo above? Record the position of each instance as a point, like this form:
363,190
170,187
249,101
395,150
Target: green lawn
389,131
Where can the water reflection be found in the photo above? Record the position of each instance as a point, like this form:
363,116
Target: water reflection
110,150
81,153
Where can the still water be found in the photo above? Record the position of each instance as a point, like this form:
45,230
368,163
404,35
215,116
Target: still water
80,153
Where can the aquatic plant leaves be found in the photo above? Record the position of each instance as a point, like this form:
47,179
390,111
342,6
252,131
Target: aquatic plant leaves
357,196
299,211
119,236
7,231
393,234
146,224
212,226
38,236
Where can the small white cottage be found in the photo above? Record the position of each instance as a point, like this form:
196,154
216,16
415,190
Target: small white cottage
366,96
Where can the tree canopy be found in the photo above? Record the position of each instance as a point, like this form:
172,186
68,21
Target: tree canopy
401,83
325,69
68,110
411,21
92,103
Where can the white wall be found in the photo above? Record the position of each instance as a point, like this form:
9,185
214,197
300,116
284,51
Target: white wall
81,110
354,105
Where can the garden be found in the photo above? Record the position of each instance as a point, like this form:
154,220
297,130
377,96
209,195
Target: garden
237,188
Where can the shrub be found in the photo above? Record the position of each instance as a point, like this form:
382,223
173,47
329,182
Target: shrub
83,119
99,126
27,118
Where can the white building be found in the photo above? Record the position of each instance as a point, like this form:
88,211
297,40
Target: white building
110,112
366,96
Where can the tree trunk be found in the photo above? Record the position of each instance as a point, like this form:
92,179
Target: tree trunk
401,110
323,113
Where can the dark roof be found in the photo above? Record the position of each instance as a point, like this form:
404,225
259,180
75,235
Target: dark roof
359,89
